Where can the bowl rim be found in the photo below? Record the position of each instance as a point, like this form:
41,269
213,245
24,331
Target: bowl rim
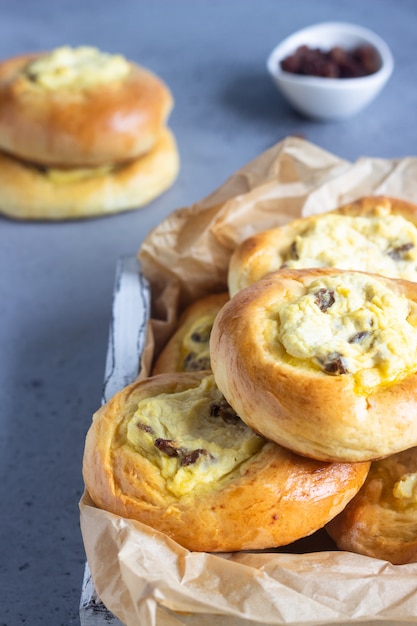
278,53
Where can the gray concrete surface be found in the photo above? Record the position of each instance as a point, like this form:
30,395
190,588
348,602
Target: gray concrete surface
56,279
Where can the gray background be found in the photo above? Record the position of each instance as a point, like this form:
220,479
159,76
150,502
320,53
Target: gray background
56,279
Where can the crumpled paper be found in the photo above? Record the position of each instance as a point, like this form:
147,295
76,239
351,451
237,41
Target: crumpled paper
141,575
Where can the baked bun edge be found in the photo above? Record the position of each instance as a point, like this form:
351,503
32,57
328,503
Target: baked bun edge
266,251
30,193
271,499
380,521
307,410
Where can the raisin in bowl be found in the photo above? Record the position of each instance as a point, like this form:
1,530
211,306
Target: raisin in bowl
332,70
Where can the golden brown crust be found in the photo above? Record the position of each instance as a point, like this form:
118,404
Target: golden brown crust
376,523
306,410
275,497
102,124
28,193
182,353
370,205
267,251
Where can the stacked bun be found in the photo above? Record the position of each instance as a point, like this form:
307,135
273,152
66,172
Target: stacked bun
308,379
82,133
317,350
381,521
170,452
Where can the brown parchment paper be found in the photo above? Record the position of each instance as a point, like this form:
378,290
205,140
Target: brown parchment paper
142,576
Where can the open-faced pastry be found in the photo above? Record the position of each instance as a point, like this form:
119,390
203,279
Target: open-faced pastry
322,361
381,520
82,133
188,349
169,452
373,234
79,107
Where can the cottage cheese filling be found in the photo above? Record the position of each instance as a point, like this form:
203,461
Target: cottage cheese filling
384,244
352,323
192,436
405,489
196,345
80,67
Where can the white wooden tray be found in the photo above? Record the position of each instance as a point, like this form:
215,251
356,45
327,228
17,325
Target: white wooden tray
130,314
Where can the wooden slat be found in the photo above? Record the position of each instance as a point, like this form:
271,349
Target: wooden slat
127,335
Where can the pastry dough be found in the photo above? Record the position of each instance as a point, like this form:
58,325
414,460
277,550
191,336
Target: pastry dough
374,234
169,452
188,348
66,108
82,134
381,520
32,193
322,361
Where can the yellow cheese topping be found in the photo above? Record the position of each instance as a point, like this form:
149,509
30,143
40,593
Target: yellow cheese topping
196,345
76,174
394,485
193,437
405,488
352,323
383,244
80,67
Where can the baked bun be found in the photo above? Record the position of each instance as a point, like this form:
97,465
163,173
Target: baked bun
374,234
82,133
322,361
32,193
188,348
381,521
169,452
79,108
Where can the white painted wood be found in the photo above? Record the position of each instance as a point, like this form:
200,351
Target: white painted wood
92,610
130,314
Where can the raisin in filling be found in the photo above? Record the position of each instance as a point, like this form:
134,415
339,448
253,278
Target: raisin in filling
195,363
399,253
172,449
292,254
335,364
224,410
360,336
324,298
201,335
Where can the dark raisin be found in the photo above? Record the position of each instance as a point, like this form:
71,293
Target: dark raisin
167,446
195,363
201,335
335,364
224,410
292,255
334,63
144,427
189,458
324,299
398,253
32,76
367,56
350,65
358,337
294,252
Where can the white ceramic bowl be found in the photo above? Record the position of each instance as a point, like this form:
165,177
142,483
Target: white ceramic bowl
330,98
